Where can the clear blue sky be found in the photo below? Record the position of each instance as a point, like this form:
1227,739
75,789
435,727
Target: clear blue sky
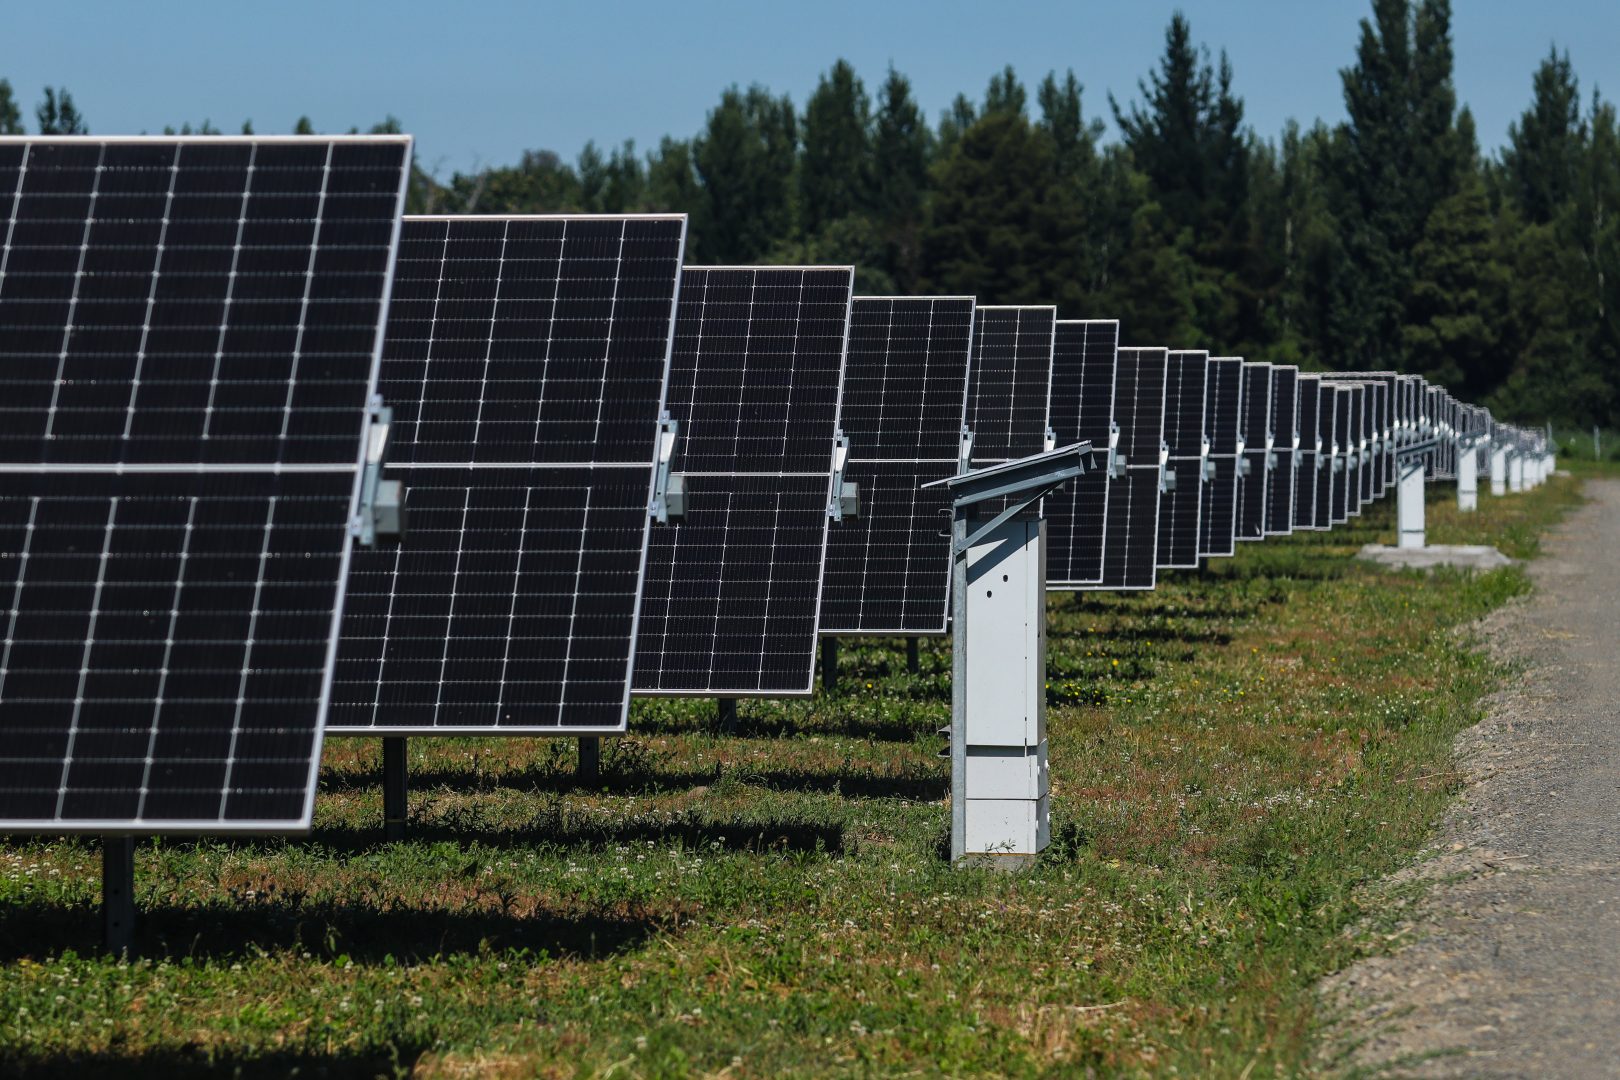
481,83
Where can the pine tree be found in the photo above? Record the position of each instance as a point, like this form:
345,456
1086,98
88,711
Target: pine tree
1458,286
1188,139
746,159
1001,226
835,174
901,149
956,119
1545,144
1005,94
673,187
10,114
1074,141
57,115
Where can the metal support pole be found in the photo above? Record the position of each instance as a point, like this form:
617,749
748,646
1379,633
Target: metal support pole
396,789
1499,460
726,715
829,665
118,894
913,661
590,760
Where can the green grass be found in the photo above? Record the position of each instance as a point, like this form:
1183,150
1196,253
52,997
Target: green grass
1232,755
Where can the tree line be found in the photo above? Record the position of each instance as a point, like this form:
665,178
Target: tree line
1384,241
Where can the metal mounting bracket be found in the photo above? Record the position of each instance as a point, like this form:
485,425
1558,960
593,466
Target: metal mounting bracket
1022,483
382,502
846,500
669,489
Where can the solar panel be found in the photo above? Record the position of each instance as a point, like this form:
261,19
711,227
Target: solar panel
1381,426
1339,494
1130,552
1180,508
1257,447
1357,443
1223,418
1009,389
732,594
1329,460
1311,457
190,329
1379,443
1285,436
905,387
525,362
1084,354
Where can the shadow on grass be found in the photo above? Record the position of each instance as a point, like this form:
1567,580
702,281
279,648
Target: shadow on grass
188,1062
365,932
833,719
467,827
530,778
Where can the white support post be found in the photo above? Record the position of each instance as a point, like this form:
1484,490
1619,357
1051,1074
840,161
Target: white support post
1516,473
1468,478
1004,784
1499,456
1409,504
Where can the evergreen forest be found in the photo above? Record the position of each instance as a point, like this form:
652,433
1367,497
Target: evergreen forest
1385,241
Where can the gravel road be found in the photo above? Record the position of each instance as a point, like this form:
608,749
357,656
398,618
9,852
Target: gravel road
1514,966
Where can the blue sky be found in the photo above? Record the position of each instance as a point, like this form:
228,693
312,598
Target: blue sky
478,84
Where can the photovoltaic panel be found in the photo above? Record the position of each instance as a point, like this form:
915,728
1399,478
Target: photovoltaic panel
1368,465
1130,548
1328,459
1380,431
1311,457
1339,495
1009,388
525,362
1223,419
1084,355
190,329
1285,436
1357,430
905,387
1380,436
731,601
1257,448
1180,509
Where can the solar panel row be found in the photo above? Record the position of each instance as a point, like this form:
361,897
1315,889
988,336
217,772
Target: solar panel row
196,345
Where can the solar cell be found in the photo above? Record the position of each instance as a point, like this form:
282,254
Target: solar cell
1181,507
905,387
1223,418
190,329
1285,435
732,594
1130,552
1083,360
525,361
1257,450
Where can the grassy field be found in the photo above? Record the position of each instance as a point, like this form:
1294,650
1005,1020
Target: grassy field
1231,756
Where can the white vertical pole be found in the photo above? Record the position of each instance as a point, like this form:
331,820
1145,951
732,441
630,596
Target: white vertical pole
1409,504
1468,478
1499,457
1516,473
